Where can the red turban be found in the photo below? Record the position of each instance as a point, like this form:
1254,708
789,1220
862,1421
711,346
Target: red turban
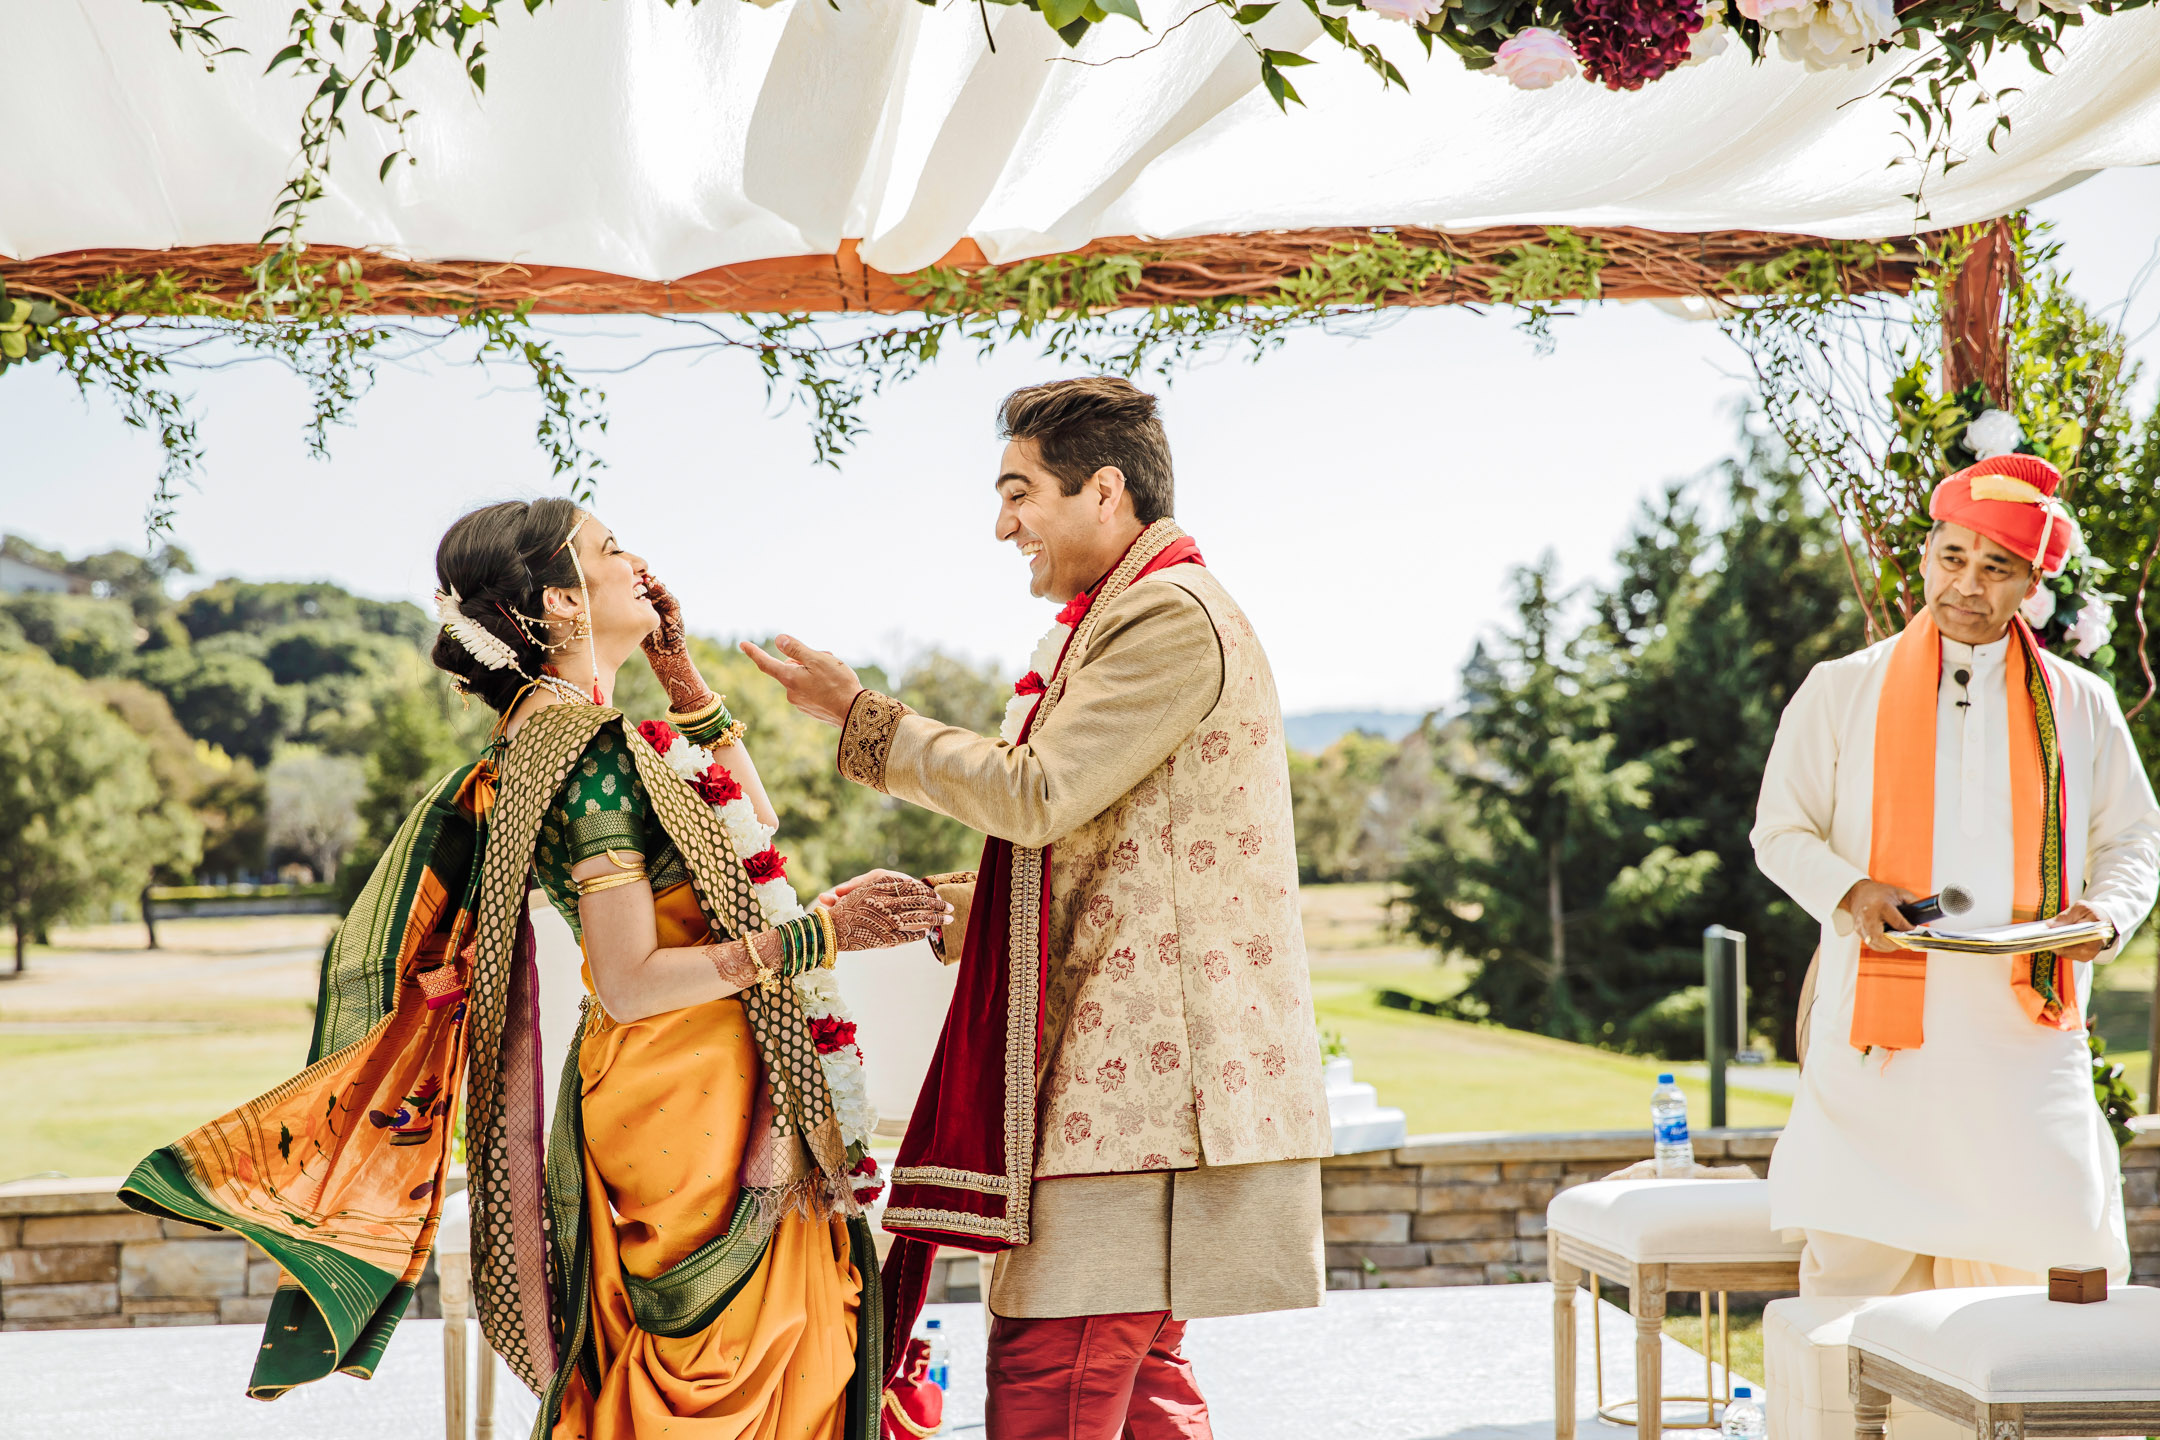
2011,500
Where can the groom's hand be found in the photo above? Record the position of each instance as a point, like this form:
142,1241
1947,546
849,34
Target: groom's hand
817,683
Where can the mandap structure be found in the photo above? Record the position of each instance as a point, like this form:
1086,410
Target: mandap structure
844,187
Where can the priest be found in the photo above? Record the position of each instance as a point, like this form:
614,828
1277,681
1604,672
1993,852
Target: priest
1944,1132
1126,1103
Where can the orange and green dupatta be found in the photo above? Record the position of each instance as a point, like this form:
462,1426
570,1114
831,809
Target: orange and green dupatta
1891,991
338,1173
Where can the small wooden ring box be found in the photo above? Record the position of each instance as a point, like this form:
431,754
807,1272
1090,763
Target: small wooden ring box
2077,1284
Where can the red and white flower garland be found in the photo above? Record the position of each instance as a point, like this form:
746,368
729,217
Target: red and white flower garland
832,1028
1028,689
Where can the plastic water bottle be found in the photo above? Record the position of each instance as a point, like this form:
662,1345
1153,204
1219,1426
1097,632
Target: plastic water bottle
940,1354
1743,1417
1668,1129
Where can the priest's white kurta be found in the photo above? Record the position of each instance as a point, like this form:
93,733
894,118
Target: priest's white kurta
1984,1143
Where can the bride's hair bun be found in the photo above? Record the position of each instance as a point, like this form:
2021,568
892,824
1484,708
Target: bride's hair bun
497,561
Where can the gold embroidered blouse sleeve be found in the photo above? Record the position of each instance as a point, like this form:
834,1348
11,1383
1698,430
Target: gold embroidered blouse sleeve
1153,670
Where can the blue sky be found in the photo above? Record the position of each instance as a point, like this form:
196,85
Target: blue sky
1365,496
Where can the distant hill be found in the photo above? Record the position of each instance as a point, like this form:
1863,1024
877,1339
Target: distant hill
1315,731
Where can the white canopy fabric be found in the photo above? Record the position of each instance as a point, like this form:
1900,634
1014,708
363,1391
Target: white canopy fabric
656,142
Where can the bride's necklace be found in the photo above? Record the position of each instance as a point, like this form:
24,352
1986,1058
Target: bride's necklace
565,689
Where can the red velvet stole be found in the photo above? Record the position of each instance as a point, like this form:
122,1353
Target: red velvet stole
964,1170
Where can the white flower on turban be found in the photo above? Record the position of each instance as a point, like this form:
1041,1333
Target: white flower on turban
1993,433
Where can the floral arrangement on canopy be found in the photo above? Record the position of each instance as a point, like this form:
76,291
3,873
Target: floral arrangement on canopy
1626,44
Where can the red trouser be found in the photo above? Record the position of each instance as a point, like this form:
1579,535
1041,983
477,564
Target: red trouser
1093,1377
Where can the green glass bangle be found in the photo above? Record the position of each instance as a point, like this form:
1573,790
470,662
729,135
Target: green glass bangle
708,729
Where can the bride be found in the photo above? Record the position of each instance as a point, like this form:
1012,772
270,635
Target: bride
685,1253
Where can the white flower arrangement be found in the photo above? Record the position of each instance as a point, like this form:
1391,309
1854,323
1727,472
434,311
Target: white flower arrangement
1826,34
1713,40
2094,624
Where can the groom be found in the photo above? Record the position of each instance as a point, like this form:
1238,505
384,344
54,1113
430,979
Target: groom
1126,1103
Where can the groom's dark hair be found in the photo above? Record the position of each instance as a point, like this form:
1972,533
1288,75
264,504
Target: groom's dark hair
1079,426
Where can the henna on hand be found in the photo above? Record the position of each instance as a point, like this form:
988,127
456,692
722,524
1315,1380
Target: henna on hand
741,963
667,650
888,911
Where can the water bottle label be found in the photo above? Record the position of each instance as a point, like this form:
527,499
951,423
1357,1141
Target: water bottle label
1670,1129
940,1376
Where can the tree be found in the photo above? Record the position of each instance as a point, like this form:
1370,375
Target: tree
1331,804
134,579
76,787
1713,632
418,738
92,637
314,806
230,700
173,831
1565,859
236,835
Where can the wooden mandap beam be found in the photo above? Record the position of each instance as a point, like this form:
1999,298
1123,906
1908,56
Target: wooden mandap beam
1640,264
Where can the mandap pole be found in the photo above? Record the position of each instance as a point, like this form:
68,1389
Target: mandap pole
1724,955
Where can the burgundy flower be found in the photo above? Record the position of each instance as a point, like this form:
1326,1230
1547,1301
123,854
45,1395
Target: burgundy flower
767,864
1029,684
1166,949
1233,1075
1163,1057
865,1166
1101,910
658,734
1248,840
1625,44
1214,745
830,1033
1088,1017
715,786
865,1194
1273,1062
1077,1128
1110,1074
1201,856
1216,964
1125,857
1118,964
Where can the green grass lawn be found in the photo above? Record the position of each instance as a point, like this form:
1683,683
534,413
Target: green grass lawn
96,1104
1447,1075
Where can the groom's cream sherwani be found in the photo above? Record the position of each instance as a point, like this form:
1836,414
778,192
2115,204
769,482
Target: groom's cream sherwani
1181,1110
1983,1143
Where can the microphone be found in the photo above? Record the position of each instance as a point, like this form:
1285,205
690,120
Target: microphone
1963,678
1954,900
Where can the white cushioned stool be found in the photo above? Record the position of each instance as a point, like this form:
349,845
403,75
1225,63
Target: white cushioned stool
2006,1361
1808,1371
1655,1237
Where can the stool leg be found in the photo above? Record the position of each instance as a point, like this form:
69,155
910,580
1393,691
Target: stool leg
1565,1279
1709,1366
454,1277
1870,1411
1646,1301
484,1398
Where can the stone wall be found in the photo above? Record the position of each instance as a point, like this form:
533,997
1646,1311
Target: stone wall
1441,1210
72,1257
1470,1209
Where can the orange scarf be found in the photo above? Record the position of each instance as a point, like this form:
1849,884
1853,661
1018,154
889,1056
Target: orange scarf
1892,988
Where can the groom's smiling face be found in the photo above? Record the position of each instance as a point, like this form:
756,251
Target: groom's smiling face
1069,540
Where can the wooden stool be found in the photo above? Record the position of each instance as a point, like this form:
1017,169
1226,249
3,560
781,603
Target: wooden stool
2007,1362
1656,1237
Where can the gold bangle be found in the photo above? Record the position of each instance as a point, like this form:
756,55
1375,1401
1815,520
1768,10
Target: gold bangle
832,936
635,862
703,712
600,883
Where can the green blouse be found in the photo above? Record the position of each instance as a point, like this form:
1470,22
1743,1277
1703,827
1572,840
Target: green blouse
602,806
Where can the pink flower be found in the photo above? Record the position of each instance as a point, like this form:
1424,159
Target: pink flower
1534,58
1414,12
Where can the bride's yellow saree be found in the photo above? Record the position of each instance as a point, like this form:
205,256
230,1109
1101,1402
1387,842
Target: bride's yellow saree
428,985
